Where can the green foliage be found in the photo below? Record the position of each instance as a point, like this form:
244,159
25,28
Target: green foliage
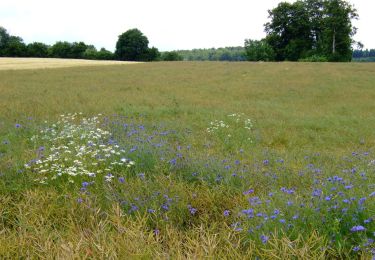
15,47
132,45
364,54
259,50
171,56
4,38
60,50
37,49
152,54
289,31
307,27
214,54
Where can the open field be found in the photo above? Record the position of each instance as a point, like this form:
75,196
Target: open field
45,63
157,175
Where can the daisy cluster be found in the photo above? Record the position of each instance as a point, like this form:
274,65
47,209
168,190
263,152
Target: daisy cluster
233,124
76,145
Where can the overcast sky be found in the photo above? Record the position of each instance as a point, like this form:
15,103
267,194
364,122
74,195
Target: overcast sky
168,24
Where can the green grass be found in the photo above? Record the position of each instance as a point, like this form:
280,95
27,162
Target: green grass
320,110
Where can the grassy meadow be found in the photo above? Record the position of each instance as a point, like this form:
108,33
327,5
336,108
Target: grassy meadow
188,160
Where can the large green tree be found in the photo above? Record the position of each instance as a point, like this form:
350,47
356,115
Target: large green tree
289,31
132,45
308,28
338,30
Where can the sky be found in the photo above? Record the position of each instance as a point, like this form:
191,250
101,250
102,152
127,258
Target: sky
168,24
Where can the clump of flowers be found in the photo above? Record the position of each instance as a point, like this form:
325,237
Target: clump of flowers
76,146
235,125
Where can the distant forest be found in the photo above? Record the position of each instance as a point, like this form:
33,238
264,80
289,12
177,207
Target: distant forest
214,54
364,55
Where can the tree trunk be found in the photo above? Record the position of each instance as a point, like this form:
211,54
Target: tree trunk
334,42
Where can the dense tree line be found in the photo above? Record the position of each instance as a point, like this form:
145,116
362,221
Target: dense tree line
14,46
214,54
364,55
312,30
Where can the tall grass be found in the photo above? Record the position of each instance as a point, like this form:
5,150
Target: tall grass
291,177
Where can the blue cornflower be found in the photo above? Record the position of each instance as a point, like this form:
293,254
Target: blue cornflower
266,162
248,212
17,125
264,239
248,192
79,200
121,179
226,213
173,161
192,210
276,212
165,207
151,211
367,220
317,193
372,194
85,184
348,187
282,221
356,248
362,200
357,228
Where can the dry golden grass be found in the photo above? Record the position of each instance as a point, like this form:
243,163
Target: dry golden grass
46,63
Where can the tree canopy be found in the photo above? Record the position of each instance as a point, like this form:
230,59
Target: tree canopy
132,45
309,29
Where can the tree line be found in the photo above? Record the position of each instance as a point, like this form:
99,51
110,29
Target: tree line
131,45
214,54
14,46
306,30
364,55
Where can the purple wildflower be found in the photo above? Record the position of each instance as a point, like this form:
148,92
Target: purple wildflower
358,228
226,213
356,248
317,193
248,192
264,239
